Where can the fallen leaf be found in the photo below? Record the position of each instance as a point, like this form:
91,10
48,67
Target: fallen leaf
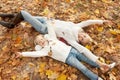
114,31
112,77
100,29
49,73
42,67
97,11
62,77
13,77
88,47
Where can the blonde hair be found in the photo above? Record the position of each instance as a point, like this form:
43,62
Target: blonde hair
37,38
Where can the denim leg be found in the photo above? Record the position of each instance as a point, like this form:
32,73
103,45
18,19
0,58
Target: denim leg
41,19
82,57
34,22
73,61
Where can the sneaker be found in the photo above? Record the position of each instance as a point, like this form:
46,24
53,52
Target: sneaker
112,65
99,78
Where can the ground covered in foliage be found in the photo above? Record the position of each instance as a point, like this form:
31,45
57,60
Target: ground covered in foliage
106,37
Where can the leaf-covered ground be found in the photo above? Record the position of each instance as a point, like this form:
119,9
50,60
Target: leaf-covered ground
107,38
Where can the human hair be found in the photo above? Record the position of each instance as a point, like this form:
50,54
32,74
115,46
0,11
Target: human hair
37,38
84,38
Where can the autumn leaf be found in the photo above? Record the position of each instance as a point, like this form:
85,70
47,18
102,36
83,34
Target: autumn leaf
42,67
100,29
68,1
112,77
62,77
102,59
106,1
118,24
18,40
49,73
97,11
88,47
83,15
114,31
46,11
13,77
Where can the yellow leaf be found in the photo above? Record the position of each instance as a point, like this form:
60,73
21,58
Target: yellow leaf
97,11
88,47
46,11
106,1
118,25
31,64
42,67
49,72
101,59
13,77
62,77
4,48
114,31
100,29
83,15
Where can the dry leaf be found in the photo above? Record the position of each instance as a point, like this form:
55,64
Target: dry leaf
13,77
42,67
49,73
88,47
62,77
112,77
114,31
100,29
97,11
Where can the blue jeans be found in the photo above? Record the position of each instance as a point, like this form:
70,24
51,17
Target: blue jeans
74,59
39,23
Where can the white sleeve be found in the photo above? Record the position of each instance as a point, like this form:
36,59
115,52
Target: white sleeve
35,54
90,22
38,47
51,31
83,50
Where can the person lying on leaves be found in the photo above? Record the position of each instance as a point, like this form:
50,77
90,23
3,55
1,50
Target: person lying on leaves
70,32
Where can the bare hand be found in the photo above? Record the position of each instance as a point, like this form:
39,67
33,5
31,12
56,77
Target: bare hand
18,54
108,22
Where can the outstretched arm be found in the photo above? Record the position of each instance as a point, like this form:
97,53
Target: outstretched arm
41,53
90,22
51,31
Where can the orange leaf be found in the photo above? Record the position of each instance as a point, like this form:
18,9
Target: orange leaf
18,40
68,1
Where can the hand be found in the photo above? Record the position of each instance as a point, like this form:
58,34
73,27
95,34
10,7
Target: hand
18,54
108,22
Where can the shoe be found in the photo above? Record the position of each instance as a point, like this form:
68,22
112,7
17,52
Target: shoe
7,24
99,78
112,65
107,68
7,15
17,19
